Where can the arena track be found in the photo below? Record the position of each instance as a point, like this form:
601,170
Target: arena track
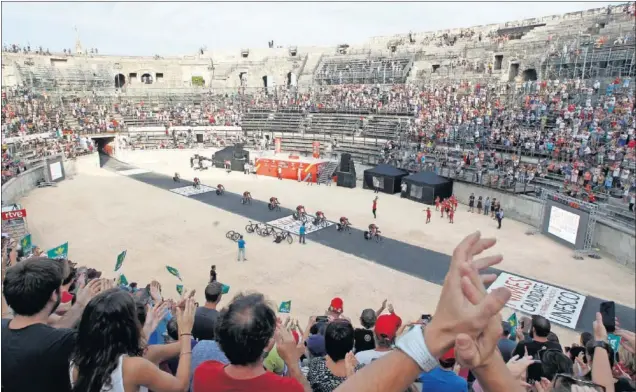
413,260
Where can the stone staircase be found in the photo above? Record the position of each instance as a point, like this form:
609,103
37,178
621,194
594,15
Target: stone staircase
327,172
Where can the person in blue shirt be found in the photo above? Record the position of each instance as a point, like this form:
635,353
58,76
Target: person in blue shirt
443,378
301,234
241,249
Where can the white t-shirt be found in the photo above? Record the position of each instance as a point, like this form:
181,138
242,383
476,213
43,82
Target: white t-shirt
368,356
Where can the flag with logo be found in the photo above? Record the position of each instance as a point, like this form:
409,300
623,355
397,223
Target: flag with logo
122,281
26,244
512,320
614,341
120,260
285,307
180,289
59,252
174,272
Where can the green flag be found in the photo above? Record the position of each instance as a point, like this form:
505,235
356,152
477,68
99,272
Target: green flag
122,281
60,252
285,307
26,244
225,288
120,260
174,271
180,289
614,341
512,320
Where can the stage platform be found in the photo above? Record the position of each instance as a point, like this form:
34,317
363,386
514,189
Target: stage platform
268,164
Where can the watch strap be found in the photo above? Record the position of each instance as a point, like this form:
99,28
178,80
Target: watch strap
412,344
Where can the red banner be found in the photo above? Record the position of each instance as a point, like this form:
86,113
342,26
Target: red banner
17,214
316,148
277,145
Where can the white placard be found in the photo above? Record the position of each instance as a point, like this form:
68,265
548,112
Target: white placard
132,172
557,305
563,224
190,190
292,225
55,169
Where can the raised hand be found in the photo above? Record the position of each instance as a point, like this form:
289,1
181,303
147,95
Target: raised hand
87,292
154,315
350,363
185,316
466,314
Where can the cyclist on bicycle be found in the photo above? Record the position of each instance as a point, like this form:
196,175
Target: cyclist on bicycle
320,218
176,177
197,183
344,223
300,210
220,189
373,230
247,197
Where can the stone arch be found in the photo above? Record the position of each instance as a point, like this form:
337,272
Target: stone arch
120,80
529,74
146,78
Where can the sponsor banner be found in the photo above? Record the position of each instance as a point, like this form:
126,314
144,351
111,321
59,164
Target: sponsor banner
560,306
316,149
16,214
292,225
190,190
277,145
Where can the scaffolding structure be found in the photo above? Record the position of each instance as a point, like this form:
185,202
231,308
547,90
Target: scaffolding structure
592,209
590,62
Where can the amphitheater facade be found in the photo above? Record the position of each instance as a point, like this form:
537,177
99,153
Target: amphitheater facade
532,48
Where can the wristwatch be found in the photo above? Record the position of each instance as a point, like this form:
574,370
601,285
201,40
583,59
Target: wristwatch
412,344
604,345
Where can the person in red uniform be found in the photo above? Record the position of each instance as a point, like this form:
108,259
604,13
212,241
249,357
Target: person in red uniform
454,199
437,202
375,207
443,207
428,215
451,215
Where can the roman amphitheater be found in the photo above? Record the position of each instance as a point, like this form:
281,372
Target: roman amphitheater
478,107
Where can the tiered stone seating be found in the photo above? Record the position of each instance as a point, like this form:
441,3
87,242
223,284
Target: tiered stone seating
336,124
255,120
363,70
382,127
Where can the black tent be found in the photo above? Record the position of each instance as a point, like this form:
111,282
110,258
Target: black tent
235,154
385,178
425,186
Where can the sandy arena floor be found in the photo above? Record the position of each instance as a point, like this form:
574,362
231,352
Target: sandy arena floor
102,213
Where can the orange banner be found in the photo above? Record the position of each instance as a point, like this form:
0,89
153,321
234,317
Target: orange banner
316,148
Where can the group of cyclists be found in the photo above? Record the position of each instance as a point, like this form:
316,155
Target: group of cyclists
320,218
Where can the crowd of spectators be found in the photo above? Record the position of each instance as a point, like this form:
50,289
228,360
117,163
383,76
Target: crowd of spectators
580,130
87,332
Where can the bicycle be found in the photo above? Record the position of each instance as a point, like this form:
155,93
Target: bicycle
232,235
252,227
266,231
273,206
345,227
302,218
246,200
285,235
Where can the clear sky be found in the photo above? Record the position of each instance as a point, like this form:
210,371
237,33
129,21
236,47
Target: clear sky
175,28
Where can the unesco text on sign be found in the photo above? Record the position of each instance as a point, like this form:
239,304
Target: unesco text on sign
557,305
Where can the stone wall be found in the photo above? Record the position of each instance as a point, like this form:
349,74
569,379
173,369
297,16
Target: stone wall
616,241
17,187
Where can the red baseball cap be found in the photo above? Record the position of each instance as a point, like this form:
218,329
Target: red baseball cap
450,354
387,325
336,305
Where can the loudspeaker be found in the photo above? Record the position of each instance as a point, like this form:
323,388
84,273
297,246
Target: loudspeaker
347,180
345,161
